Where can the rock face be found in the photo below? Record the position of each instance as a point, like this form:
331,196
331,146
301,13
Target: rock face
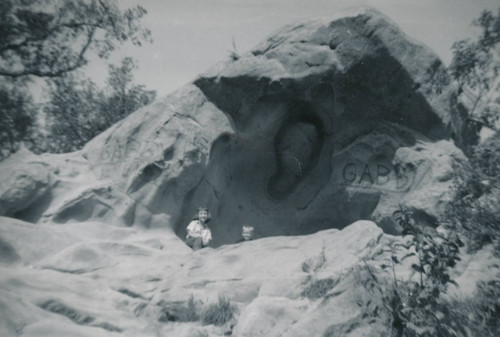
326,122
23,186
89,279
92,279
320,110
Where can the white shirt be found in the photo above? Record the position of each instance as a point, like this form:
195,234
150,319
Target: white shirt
195,230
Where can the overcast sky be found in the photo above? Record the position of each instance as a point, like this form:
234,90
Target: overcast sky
192,35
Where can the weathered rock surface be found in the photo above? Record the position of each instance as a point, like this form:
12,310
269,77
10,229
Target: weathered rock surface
23,184
92,279
321,111
326,122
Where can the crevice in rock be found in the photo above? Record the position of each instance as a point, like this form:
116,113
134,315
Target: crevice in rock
34,211
89,204
130,293
216,194
147,174
76,316
73,271
297,145
8,254
168,153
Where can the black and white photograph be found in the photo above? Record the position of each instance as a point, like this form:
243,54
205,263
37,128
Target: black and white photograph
249,168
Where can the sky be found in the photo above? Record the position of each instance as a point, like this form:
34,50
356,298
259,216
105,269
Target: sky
189,36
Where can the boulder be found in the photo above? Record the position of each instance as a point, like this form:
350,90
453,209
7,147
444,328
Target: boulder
323,111
326,122
24,185
426,185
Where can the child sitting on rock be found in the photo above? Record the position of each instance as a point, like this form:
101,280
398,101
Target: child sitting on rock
198,233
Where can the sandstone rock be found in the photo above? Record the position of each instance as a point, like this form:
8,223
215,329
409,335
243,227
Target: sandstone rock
92,279
428,183
158,155
269,316
320,110
325,123
29,243
185,330
250,273
95,281
481,266
24,184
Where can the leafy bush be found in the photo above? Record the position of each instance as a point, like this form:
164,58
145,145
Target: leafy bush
474,210
436,252
475,66
219,313
474,316
377,297
417,310
487,303
486,157
398,306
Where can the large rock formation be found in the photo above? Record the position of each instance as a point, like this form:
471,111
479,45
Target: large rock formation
326,122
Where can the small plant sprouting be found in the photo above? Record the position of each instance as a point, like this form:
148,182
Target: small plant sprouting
219,313
436,252
189,313
233,52
317,288
179,312
421,315
312,266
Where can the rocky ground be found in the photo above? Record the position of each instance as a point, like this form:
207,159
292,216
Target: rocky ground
92,279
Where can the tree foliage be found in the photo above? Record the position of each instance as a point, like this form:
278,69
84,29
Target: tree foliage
474,209
476,66
49,38
17,115
78,110
124,97
70,114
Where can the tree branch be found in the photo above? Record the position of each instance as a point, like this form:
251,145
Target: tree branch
110,17
35,71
